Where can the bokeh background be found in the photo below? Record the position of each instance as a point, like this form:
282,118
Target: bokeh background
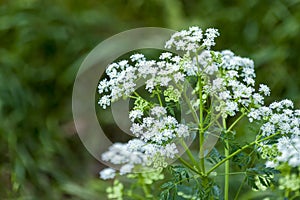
42,44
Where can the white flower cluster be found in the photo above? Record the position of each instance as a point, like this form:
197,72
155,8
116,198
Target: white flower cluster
121,82
155,138
159,128
289,149
107,173
279,118
233,82
193,39
123,76
230,79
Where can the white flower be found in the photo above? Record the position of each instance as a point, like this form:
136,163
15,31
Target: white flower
254,114
164,81
264,89
135,144
190,40
249,81
271,164
107,173
170,150
135,114
158,111
126,169
104,101
289,149
231,108
217,84
224,95
137,57
150,85
166,55
182,130
210,34
136,129
268,129
178,77
258,99
211,69
189,68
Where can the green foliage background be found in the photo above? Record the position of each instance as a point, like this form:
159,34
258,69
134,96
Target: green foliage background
42,44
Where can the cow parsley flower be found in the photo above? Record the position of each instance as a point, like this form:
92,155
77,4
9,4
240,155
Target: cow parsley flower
214,75
125,169
193,39
135,114
264,89
289,149
107,173
210,34
279,119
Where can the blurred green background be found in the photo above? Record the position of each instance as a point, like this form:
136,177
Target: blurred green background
42,44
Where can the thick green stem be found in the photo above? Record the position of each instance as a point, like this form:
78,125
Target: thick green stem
227,164
159,99
201,132
146,191
144,187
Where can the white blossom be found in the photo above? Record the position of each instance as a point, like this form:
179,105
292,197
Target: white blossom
264,89
289,149
158,111
125,169
135,114
107,173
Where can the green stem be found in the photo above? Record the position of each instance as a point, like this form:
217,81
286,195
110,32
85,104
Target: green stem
133,97
201,132
297,194
212,122
232,173
238,151
240,188
144,186
146,191
235,122
227,164
189,153
188,165
191,107
287,193
159,99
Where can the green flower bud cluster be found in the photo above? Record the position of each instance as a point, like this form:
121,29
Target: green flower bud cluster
290,182
152,176
159,162
269,151
172,94
140,104
116,191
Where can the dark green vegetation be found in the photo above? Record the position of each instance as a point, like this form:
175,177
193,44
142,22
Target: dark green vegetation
42,44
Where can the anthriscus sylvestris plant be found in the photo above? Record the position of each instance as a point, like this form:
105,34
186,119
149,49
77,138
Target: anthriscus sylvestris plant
161,162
